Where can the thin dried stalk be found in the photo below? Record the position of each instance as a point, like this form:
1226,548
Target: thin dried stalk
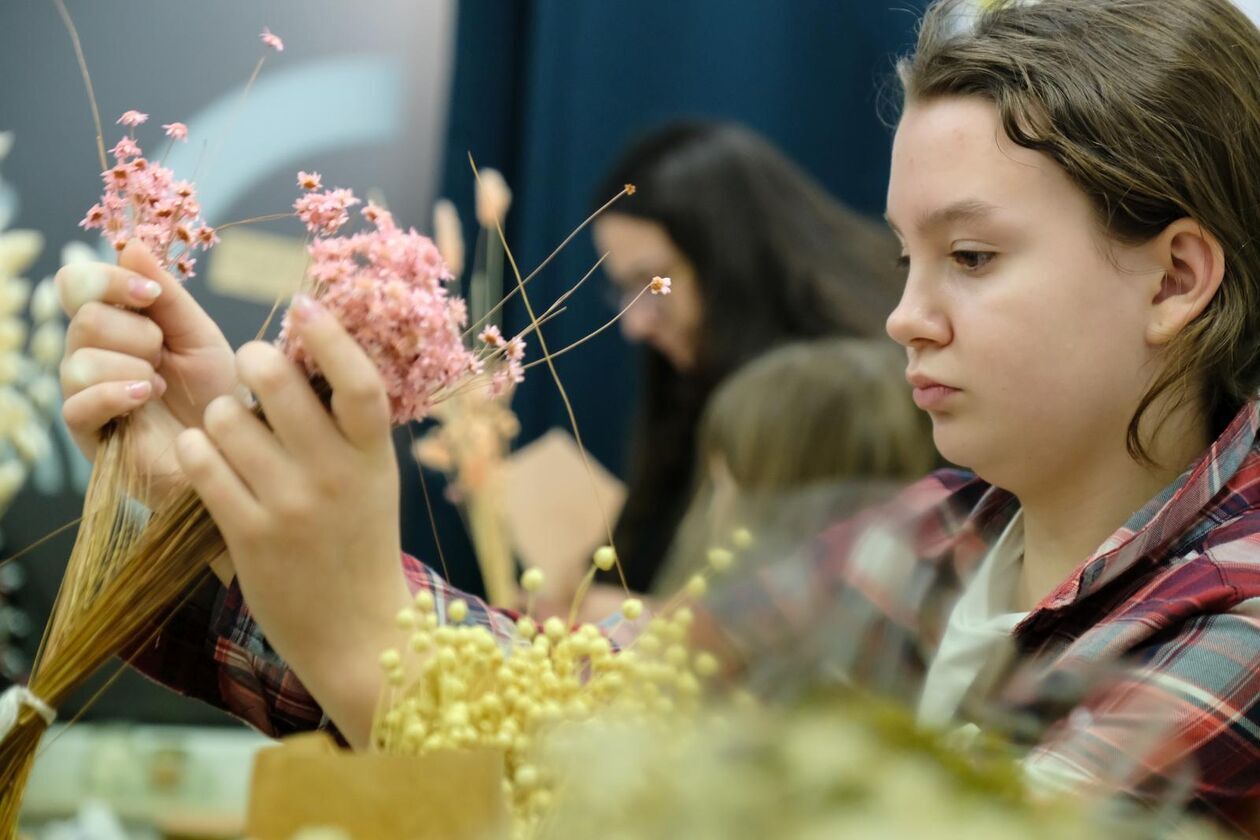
122,581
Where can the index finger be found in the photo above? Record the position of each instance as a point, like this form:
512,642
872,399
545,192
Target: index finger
359,402
80,283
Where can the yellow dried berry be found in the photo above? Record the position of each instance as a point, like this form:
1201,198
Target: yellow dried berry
406,618
632,608
554,628
526,775
605,558
532,580
390,659
458,611
706,664
424,601
697,586
741,538
720,559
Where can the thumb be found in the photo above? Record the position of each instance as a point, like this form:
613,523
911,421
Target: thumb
184,324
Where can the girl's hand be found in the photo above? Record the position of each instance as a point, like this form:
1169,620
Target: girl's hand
138,344
309,512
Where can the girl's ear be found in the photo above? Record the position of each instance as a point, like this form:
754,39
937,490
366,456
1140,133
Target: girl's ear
1194,265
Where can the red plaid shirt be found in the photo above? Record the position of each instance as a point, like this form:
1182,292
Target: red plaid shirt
1166,609
1163,621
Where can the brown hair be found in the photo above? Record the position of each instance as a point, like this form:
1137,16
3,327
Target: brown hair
1152,107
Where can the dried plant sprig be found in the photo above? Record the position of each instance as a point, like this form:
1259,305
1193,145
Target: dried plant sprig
144,200
453,687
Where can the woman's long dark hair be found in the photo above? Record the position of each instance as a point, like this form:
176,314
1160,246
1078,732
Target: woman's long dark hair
775,259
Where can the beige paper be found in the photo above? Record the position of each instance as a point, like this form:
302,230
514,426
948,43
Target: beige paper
552,506
306,783
256,266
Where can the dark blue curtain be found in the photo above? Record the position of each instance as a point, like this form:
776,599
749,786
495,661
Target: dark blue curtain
550,91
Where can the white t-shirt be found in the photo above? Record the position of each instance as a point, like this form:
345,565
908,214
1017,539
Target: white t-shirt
979,624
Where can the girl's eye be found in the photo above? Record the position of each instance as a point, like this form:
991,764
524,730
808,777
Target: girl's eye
972,260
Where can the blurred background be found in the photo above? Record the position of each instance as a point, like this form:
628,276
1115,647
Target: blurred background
390,98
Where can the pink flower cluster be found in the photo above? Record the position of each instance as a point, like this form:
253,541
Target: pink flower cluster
323,213
142,200
509,353
387,288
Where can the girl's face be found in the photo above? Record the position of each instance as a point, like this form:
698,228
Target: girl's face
638,250
1024,327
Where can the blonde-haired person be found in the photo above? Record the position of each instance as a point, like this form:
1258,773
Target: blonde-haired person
791,440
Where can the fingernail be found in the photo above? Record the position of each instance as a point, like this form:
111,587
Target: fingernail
305,308
159,385
143,289
139,390
83,282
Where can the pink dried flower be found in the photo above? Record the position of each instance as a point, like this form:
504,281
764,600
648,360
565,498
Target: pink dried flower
491,336
516,349
132,118
660,285
206,237
325,213
176,131
377,215
271,39
387,287
309,180
94,219
124,149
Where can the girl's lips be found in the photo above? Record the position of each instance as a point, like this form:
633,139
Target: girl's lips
929,397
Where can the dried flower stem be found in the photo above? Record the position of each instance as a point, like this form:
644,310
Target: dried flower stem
555,375
236,112
428,506
270,217
520,284
588,337
6,561
87,81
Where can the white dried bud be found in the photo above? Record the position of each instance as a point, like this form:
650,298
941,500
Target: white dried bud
494,197
448,234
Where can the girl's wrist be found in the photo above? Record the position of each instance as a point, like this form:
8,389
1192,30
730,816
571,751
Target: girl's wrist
346,676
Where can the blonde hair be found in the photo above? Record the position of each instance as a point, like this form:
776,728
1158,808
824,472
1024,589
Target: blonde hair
818,411
801,430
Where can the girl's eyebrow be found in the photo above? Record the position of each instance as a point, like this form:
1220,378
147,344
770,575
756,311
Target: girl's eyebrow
966,210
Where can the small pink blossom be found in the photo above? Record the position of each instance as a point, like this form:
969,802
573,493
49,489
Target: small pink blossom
132,119
176,131
207,237
271,39
377,215
660,285
309,181
124,149
491,336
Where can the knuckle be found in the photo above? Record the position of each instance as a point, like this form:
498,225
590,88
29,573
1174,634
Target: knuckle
294,508
265,369
90,321
222,414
